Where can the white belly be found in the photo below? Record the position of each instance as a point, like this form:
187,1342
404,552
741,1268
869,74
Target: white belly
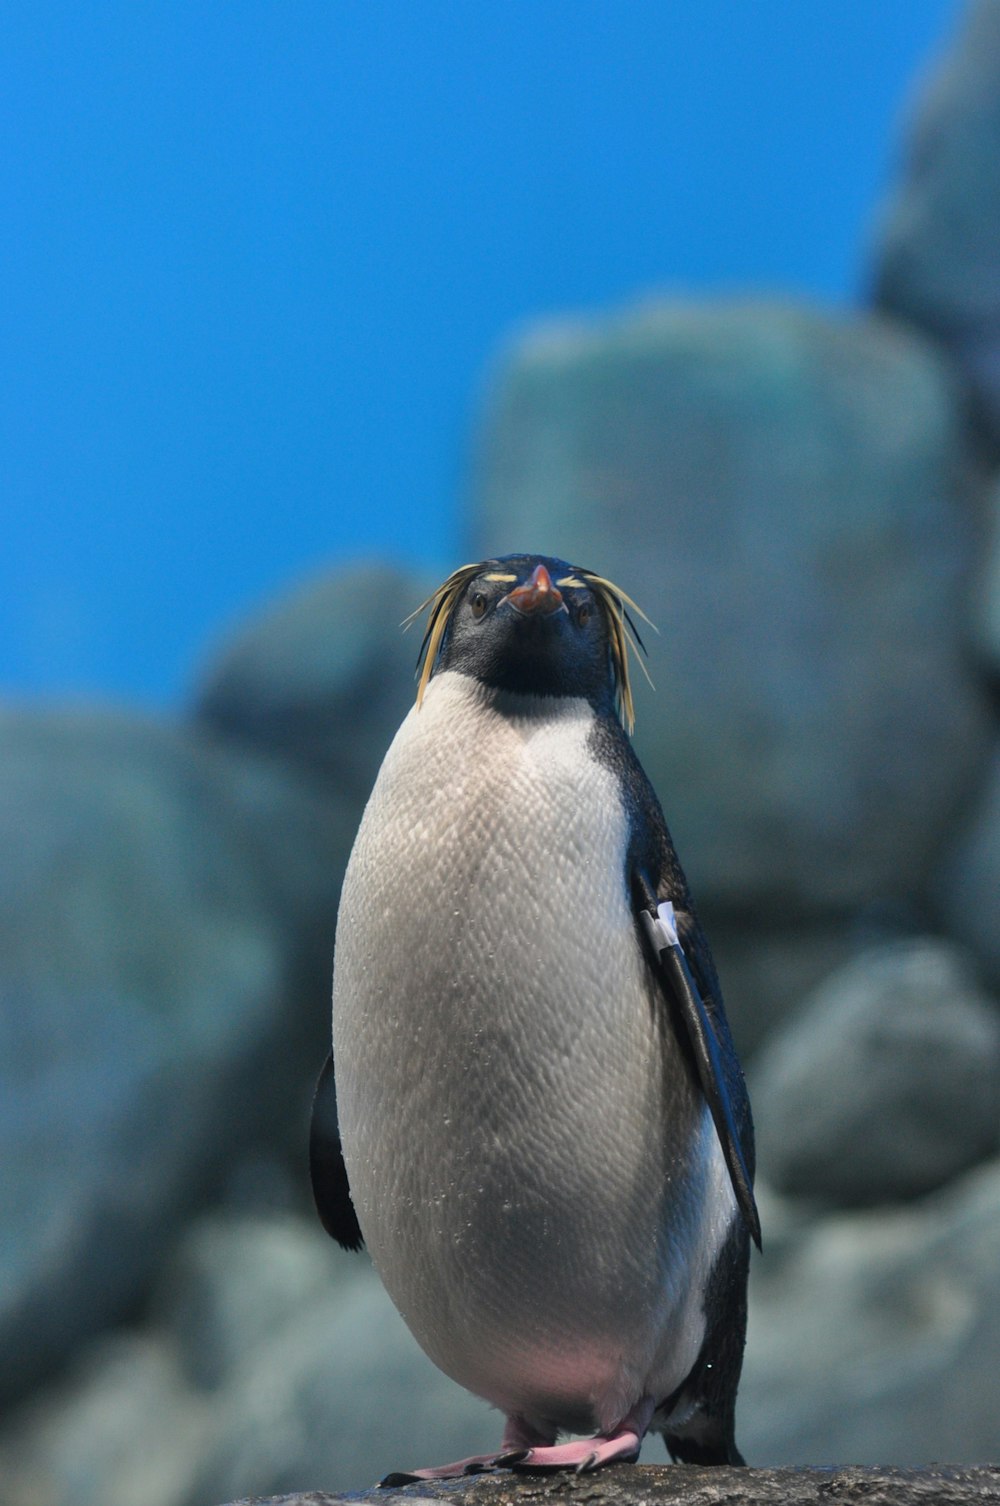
538,1182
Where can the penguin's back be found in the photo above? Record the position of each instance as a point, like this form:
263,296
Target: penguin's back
535,1172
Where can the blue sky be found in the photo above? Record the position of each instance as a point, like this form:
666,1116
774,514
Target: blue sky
257,258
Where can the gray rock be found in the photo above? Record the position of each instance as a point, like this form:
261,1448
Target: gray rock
324,677
687,1485
123,1428
938,257
986,602
276,1360
236,1281
970,888
886,1084
877,1336
872,1337
782,492
766,971
159,1000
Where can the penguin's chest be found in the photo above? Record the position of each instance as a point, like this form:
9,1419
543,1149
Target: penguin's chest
518,1130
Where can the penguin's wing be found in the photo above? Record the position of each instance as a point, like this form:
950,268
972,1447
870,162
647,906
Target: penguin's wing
683,982
331,1190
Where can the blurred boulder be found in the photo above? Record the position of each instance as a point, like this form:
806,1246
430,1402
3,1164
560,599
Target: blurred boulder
986,604
877,1337
122,1428
166,924
276,1362
885,1084
341,1396
768,967
323,677
765,971
938,252
969,893
782,492
873,1337
234,1282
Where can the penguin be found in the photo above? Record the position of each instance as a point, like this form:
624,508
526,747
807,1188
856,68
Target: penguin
533,1115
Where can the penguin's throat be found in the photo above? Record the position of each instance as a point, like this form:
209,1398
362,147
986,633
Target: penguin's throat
512,705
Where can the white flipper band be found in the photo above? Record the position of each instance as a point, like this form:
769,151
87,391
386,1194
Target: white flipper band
663,930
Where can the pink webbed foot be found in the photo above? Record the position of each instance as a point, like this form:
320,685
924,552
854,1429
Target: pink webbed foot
620,1446
518,1440
584,1454
476,1464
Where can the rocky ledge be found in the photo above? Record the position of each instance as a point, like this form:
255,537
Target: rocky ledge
689,1485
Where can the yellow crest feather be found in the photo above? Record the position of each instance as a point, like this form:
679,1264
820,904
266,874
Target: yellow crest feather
624,638
441,604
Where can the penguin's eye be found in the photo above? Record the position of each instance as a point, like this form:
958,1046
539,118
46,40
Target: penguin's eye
478,603
583,614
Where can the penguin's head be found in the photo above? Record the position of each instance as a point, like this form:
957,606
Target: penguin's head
536,626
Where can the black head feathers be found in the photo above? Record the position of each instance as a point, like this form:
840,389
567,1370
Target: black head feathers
546,626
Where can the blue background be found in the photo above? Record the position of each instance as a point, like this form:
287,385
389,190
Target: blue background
255,260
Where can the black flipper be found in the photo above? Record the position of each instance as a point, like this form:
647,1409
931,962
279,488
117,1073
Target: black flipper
331,1190
687,975
680,984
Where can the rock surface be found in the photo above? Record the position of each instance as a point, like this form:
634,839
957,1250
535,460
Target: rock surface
782,492
157,946
323,677
885,1084
938,260
687,1485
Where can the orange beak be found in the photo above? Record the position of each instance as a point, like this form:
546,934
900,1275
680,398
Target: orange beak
536,595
